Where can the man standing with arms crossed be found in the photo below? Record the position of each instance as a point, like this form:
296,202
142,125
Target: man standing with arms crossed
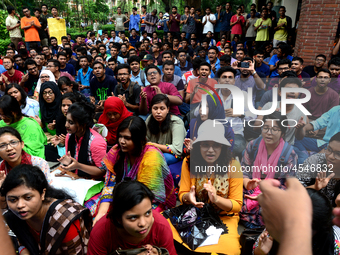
13,26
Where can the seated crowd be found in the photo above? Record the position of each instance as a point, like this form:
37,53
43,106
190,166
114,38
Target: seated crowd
150,118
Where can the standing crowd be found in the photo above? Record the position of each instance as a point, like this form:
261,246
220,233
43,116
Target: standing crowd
147,116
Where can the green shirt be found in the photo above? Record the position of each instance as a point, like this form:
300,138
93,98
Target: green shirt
281,34
263,31
32,135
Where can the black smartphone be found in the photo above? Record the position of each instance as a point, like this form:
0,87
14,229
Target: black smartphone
243,64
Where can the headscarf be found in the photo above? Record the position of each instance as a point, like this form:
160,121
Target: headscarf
19,45
52,78
113,104
49,112
216,112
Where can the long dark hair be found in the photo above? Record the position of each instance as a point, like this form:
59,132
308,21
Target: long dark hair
126,195
65,80
21,90
153,124
137,128
10,105
323,240
32,177
82,113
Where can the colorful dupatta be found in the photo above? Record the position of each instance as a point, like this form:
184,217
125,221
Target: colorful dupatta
150,168
25,159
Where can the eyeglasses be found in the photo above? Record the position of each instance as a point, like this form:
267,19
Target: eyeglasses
31,69
49,66
50,93
329,151
273,130
13,143
152,73
207,146
6,63
45,77
320,60
283,69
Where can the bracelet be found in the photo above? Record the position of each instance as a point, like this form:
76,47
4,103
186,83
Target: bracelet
168,148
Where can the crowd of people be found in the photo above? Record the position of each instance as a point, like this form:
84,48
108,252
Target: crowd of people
150,117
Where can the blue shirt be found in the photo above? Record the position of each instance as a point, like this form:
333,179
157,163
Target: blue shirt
273,61
218,24
134,22
177,70
217,64
331,120
2,69
69,69
263,69
133,41
84,79
139,80
225,20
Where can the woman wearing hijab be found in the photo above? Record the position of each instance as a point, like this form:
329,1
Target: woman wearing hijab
213,111
49,101
114,113
45,75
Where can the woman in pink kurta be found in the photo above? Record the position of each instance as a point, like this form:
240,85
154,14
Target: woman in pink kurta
85,147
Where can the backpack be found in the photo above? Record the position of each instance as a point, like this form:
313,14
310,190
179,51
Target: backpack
130,88
286,151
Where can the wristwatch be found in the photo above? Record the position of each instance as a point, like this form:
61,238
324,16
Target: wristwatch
253,73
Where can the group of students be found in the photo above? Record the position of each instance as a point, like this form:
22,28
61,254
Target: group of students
153,127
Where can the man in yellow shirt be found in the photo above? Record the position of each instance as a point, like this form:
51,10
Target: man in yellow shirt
262,27
284,24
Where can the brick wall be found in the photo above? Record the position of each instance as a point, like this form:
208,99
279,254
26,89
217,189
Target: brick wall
317,28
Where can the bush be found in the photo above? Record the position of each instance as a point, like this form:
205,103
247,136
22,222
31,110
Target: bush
3,45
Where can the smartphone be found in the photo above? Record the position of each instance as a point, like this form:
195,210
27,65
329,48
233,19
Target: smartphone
243,65
100,32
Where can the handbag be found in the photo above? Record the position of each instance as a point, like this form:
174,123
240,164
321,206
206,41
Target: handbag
161,251
248,238
191,223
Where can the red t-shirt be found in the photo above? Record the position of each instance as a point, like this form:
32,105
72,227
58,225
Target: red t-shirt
16,78
237,28
104,238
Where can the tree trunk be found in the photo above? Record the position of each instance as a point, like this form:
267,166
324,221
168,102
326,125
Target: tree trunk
195,3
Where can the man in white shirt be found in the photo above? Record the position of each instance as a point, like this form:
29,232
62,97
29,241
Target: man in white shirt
115,38
208,22
13,26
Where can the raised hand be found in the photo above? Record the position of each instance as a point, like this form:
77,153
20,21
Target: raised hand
265,242
51,126
301,123
252,184
321,180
